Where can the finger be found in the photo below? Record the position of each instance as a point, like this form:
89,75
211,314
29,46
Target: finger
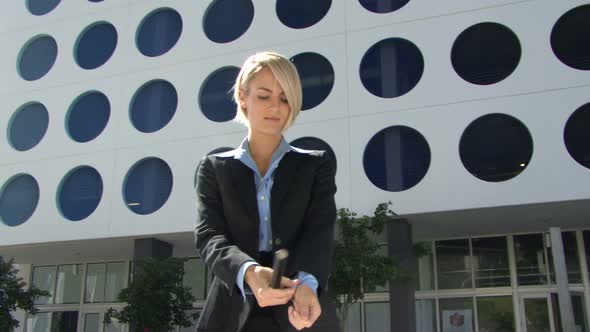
294,319
315,312
303,311
288,283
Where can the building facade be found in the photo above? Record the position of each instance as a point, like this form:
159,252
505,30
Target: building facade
471,116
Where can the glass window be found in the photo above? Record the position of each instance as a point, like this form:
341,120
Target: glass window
383,6
39,322
302,13
570,38
586,237
425,316
396,158
147,186
495,313
88,116
69,282
353,319
115,281
531,264
195,277
158,32
41,7
572,262
95,45
28,126
391,68
314,143
426,270
114,326
79,193
37,57
496,147
456,314
104,282
44,279
579,313
64,321
453,263
490,259
18,199
216,98
485,53
153,106
239,12
576,135
377,316
317,77
91,322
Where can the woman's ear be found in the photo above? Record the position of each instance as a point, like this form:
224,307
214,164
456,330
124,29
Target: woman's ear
242,98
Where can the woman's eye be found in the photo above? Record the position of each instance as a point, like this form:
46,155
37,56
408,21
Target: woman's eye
263,97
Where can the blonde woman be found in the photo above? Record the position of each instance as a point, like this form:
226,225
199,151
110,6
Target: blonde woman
264,196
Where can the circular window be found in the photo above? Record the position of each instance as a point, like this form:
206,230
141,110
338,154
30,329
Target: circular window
485,53
220,12
396,158
79,193
96,45
577,135
383,6
496,147
88,116
153,106
147,186
302,13
313,143
41,7
37,57
28,126
215,100
391,68
158,32
18,199
317,78
570,38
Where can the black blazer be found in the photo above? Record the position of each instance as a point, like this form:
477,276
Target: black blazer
303,213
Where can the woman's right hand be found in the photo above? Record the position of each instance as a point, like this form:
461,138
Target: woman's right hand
259,279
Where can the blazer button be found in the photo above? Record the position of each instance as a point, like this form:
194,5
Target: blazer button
278,242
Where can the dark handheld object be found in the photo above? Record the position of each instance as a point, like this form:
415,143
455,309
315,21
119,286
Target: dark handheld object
278,265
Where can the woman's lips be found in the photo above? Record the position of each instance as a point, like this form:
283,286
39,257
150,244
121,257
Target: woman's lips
272,119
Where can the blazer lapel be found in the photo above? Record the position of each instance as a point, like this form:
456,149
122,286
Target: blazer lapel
242,179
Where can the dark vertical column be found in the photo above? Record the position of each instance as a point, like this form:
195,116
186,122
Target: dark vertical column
151,248
401,293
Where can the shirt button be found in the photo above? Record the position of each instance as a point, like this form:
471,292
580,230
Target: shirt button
265,218
278,242
262,198
270,242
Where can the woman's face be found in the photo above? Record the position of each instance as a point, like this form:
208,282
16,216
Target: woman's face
265,102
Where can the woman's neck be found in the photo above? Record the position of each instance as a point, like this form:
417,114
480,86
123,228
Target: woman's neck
262,148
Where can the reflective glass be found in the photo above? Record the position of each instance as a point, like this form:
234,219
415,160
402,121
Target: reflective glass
88,116
39,322
579,313
115,281
28,126
96,45
485,53
383,6
195,277
153,106
536,313
114,326
41,7
44,279
18,200
80,193
576,135
586,236
570,38
147,186
377,316
426,271
490,258
495,313
391,68
95,283
425,316
92,322
456,314
453,263
64,321
158,32
570,249
496,147
317,78
215,98
396,158
313,143
69,279
37,57
531,264
353,319
302,13
227,20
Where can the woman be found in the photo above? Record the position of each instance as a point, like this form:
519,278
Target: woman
261,197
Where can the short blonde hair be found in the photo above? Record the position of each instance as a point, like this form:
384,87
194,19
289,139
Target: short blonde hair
284,72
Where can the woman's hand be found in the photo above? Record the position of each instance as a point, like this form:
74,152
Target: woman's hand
259,278
305,309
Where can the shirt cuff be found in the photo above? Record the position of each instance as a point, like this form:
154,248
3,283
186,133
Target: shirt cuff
241,275
308,280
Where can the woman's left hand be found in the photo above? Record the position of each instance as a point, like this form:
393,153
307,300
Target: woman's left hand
305,309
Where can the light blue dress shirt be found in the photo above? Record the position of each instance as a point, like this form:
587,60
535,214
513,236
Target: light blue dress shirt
263,189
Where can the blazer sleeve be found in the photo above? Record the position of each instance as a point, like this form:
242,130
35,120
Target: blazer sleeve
222,256
313,252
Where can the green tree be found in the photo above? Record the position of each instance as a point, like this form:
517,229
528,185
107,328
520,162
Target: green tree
13,295
156,298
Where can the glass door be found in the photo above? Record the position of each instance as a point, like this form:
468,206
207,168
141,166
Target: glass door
536,313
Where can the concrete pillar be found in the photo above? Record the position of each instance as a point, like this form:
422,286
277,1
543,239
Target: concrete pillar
563,293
